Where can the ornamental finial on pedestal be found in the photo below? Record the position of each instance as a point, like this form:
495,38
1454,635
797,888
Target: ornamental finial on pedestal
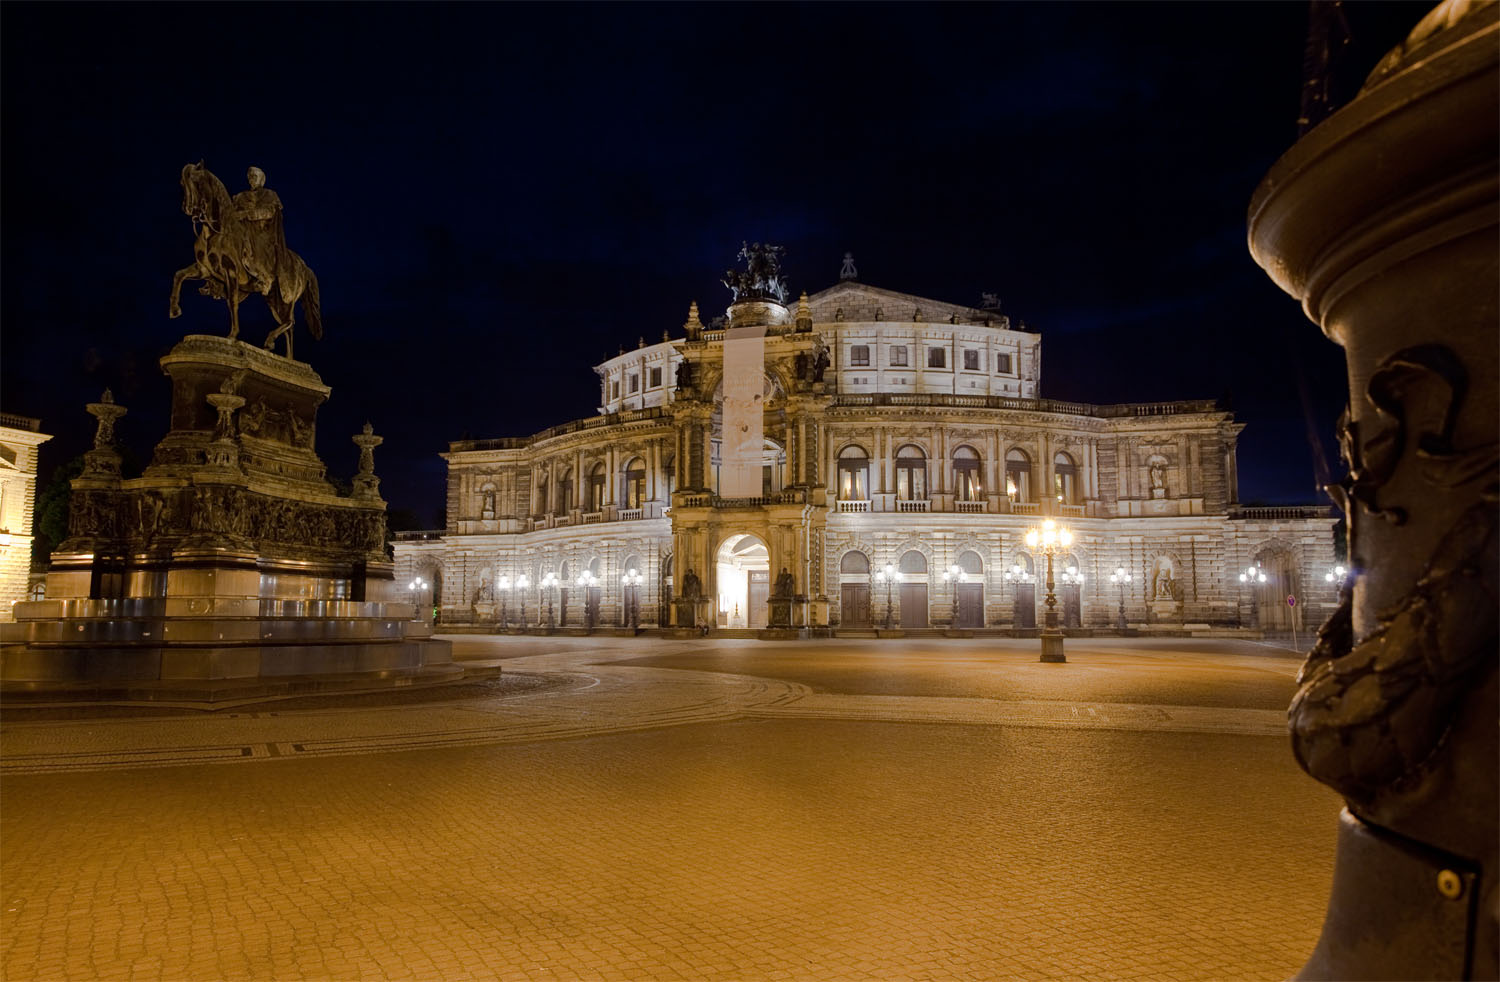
366,484
694,326
103,460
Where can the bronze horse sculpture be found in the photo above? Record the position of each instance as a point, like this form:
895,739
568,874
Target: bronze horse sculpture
235,257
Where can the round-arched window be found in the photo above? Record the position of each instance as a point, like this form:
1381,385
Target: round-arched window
970,563
913,561
854,562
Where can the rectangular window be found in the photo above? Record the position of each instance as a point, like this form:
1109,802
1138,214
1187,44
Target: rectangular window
898,355
971,360
1002,364
614,390
655,377
937,358
635,383
859,354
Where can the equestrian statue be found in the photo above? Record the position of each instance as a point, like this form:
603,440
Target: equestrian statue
241,249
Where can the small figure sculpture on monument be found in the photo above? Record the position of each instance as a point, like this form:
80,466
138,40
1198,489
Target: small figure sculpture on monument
802,367
691,588
784,585
685,376
1158,475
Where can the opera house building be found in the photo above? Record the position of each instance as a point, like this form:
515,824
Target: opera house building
853,460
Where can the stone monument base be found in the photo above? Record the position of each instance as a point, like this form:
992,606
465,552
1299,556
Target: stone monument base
231,559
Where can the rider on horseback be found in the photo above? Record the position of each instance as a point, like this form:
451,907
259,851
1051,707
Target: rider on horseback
259,209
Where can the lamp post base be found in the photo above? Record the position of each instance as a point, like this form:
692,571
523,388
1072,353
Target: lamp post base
1052,648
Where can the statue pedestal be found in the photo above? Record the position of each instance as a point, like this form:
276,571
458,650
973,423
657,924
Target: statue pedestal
229,558
1381,221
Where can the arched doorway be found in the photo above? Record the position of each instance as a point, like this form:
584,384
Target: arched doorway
968,594
1069,580
1282,581
742,582
913,566
854,589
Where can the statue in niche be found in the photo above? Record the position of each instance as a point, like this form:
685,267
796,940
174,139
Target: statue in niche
244,235
1156,469
802,367
784,586
692,589
820,364
487,506
1165,586
685,375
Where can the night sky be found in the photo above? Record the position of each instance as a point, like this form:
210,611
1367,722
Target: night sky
495,198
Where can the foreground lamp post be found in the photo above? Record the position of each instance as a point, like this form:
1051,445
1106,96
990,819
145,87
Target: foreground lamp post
548,584
522,582
633,580
586,581
887,575
503,585
1253,575
1050,539
1120,577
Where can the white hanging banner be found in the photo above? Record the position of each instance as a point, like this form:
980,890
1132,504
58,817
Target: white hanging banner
742,446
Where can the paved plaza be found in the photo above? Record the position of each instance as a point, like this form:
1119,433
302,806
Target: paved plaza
658,809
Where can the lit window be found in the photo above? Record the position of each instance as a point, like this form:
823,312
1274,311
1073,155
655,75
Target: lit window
859,354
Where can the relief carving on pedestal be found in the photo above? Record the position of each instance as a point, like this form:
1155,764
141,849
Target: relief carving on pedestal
1368,716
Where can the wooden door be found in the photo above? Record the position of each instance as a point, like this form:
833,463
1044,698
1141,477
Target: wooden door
1025,605
970,605
854,604
1072,605
914,605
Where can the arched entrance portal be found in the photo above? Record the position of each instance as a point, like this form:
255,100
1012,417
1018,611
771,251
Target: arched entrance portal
742,582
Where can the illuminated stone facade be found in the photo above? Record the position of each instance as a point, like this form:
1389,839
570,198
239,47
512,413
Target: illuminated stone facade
906,453
19,438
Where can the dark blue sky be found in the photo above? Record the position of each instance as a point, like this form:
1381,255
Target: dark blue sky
496,197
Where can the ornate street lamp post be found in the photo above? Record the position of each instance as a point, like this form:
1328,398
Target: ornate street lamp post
1120,577
1050,538
503,585
1253,575
633,580
954,575
887,575
416,587
522,582
586,582
549,584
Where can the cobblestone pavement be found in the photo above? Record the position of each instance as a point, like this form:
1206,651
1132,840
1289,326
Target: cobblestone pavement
753,811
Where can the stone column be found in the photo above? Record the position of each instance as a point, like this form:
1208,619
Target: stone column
1382,222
